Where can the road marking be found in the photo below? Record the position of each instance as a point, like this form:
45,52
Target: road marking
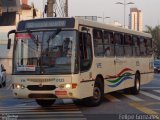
132,97
46,113
156,109
111,98
1,97
150,95
58,118
157,91
143,109
64,112
9,87
151,87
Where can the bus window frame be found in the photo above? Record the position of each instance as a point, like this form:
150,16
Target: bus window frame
43,30
128,45
110,43
102,43
79,52
117,44
136,45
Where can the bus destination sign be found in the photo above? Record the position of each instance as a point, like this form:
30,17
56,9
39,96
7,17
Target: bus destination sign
46,23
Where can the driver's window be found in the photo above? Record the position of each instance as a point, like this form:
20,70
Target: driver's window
85,46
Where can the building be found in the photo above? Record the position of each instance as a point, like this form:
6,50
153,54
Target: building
25,12
92,18
116,23
8,10
136,19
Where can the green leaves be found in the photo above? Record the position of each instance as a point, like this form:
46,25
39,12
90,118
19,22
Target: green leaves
155,32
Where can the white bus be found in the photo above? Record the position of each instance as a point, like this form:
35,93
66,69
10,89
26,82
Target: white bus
59,58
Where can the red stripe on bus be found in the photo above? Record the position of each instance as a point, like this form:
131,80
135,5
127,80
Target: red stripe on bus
21,36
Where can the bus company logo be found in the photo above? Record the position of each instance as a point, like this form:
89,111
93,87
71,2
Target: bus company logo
41,85
120,77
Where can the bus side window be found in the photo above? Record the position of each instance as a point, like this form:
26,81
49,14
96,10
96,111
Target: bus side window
142,47
136,49
108,43
98,42
85,48
128,45
119,44
149,46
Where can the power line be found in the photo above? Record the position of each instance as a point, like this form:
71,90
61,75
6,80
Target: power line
58,10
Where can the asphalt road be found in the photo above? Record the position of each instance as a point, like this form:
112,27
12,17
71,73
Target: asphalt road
116,106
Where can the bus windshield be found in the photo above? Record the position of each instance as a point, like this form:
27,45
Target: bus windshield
44,52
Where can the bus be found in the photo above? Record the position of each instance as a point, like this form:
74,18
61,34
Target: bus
71,58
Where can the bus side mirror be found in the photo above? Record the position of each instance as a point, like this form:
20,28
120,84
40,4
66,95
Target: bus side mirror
9,44
9,40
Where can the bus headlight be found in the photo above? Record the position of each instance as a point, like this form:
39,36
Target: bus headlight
19,86
68,86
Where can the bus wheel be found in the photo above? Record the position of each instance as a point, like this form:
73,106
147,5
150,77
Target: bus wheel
45,103
97,97
135,90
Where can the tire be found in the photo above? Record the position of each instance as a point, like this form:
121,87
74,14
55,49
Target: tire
45,103
98,95
136,89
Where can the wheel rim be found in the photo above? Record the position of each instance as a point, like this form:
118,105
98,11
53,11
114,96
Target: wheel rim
96,94
138,85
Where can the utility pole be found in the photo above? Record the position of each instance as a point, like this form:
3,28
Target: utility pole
50,4
66,8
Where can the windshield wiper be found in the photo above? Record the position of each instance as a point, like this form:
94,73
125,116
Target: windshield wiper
35,40
53,35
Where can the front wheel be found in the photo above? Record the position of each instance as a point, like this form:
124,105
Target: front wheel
45,103
97,97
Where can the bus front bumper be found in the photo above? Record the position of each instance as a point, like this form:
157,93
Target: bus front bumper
57,93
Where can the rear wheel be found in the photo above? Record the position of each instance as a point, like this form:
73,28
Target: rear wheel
45,103
98,95
136,88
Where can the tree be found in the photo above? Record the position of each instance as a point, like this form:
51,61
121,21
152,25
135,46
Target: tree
155,32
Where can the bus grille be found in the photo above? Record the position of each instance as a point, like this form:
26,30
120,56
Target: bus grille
41,80
41,88
41,96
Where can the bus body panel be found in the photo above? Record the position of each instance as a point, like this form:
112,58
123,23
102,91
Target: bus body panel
117,72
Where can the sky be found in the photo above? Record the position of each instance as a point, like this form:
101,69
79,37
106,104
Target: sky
108,8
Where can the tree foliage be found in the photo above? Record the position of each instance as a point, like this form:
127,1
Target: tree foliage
155,32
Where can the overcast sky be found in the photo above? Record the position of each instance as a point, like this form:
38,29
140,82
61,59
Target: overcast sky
150,9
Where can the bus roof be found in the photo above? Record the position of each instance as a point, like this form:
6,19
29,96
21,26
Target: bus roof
72,22
110,27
